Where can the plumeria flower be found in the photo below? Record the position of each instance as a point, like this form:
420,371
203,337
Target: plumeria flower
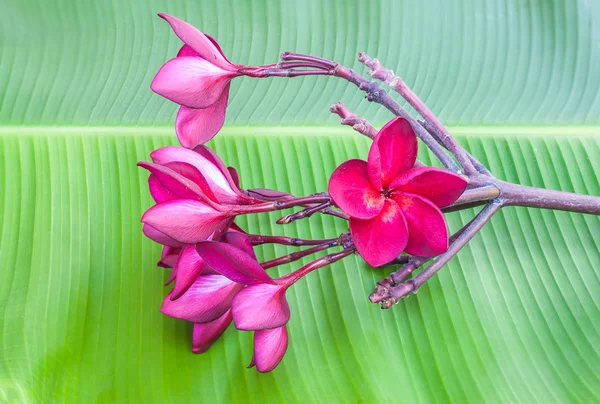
394,207
196,196
198,79
203,296
261,306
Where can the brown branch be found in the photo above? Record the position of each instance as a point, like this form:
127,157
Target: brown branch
390,296
377,94
397,84
357,123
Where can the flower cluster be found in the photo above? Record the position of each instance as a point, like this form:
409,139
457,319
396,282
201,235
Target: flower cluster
392,207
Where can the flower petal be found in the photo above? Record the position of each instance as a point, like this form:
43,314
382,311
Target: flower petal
185,220
191,81
198,41
159,237
393,151
382,238
211,156
204,335
265,194
352,191
174,182
269,348
260,306
189,266
187,50
441,187
234,176
169,257
240,240
209,165
158,192
428,234
206,300
232,262
191,173
197,126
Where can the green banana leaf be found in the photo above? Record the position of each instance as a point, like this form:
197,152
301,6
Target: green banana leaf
513,318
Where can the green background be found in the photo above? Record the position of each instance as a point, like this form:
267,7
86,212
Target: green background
513,318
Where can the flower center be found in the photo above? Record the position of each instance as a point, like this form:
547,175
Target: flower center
387,193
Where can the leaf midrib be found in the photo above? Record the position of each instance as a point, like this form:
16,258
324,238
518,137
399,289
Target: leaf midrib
291,130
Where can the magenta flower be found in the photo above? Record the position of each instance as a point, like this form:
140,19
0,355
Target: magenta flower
203,296
197,79
261,306
196,196
394,207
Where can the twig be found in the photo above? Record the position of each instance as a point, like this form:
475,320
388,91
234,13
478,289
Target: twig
258,239
395,293
397,84
377,94
357,123
304,213
298,254
316,264
476,163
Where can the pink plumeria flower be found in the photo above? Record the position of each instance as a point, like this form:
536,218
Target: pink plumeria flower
198,79
261,306
203,296
196,196
394,207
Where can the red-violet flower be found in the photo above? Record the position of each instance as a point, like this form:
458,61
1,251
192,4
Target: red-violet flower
261,306
195,194
198,79
394,207
202,295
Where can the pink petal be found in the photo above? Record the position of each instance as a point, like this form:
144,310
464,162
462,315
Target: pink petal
185,220
191,81
214,158
174,182
187,50
158,192
232,262
427,231
189,266
234,176
207,163
206,334
240,240
393,151
352,192
206,300
260,306
159,237
269,348
197,126
198,41
382,238
266,194
169,257
442,187
191,173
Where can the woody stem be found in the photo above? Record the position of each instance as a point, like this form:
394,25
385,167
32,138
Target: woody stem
377,94
316,264
395,293
298,255
357,123
397,84
258,239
